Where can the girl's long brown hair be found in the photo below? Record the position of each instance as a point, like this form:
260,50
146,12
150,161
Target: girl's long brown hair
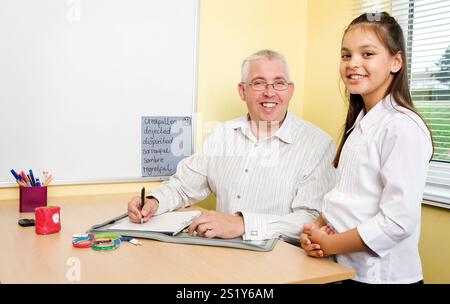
391,35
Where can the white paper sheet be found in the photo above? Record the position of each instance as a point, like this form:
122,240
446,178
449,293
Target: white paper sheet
169,222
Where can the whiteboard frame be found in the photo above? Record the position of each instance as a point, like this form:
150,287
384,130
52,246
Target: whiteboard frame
194,125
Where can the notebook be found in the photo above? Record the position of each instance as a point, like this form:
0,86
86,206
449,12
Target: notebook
170,223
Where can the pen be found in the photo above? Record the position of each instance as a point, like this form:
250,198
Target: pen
185,225
21,182
48,180
33,181
142,203
182,228
45,174
16,177
15,174
24,177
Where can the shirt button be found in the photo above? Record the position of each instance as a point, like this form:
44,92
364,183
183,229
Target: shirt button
238,196
246,170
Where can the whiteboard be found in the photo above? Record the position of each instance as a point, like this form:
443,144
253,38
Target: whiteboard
76,77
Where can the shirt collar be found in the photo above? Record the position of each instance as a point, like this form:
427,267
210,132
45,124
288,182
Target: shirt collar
375,114
284,133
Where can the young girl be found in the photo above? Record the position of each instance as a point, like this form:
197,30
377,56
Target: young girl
381,162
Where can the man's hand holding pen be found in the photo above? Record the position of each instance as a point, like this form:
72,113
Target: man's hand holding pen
135,213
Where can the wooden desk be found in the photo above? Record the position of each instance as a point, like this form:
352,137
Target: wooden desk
26,257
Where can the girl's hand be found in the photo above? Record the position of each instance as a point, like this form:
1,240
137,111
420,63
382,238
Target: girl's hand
310,248
313,249
327,229
318,236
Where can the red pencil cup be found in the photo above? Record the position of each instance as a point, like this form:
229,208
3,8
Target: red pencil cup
31,198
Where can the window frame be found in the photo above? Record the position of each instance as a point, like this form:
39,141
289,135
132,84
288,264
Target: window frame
437,188
437,193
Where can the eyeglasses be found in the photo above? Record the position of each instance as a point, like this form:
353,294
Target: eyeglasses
260,85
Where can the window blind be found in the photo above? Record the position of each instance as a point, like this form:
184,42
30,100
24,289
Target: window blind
426,26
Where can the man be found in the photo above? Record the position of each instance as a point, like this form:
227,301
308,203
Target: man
269,170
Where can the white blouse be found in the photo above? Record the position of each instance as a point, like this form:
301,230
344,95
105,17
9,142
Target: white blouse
380,181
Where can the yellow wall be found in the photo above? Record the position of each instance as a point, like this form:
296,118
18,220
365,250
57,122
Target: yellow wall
74,190
233,29
323,101
435,244
308,32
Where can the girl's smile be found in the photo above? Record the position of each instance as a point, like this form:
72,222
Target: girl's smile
355,78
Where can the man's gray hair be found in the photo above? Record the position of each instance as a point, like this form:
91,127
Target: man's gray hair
263,54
